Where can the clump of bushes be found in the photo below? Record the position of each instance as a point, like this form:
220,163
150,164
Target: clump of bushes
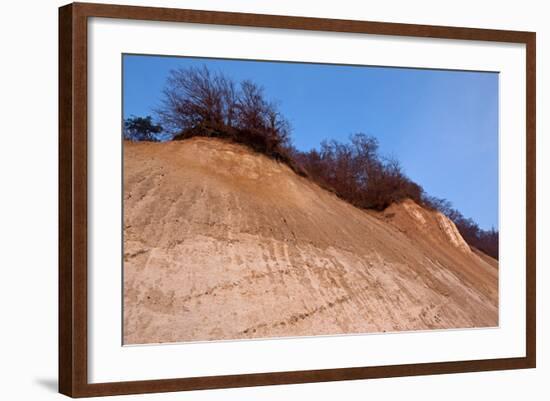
357,173
141,129
198,102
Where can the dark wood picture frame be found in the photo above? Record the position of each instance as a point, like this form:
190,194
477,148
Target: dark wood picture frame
73,308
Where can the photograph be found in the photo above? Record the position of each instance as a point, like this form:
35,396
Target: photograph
272,199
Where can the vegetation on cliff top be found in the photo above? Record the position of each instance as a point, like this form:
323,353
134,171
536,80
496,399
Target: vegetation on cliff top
198,102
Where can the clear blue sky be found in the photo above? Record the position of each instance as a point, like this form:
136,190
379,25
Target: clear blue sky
441,125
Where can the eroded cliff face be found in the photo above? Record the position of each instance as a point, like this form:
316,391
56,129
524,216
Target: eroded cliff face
224,243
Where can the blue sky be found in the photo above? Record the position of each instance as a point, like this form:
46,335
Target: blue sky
441,125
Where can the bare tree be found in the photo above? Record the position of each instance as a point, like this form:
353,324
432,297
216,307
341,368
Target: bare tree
194,97
199,102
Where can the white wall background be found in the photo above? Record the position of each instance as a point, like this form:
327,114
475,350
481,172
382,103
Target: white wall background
28,199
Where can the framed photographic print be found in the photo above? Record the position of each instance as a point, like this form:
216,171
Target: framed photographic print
251,200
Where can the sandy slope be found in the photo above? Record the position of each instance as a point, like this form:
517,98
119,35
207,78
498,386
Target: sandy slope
224,243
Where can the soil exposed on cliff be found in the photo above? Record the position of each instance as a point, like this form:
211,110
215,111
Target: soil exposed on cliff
221,242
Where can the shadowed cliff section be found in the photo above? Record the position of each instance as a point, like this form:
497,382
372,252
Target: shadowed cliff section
221,242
